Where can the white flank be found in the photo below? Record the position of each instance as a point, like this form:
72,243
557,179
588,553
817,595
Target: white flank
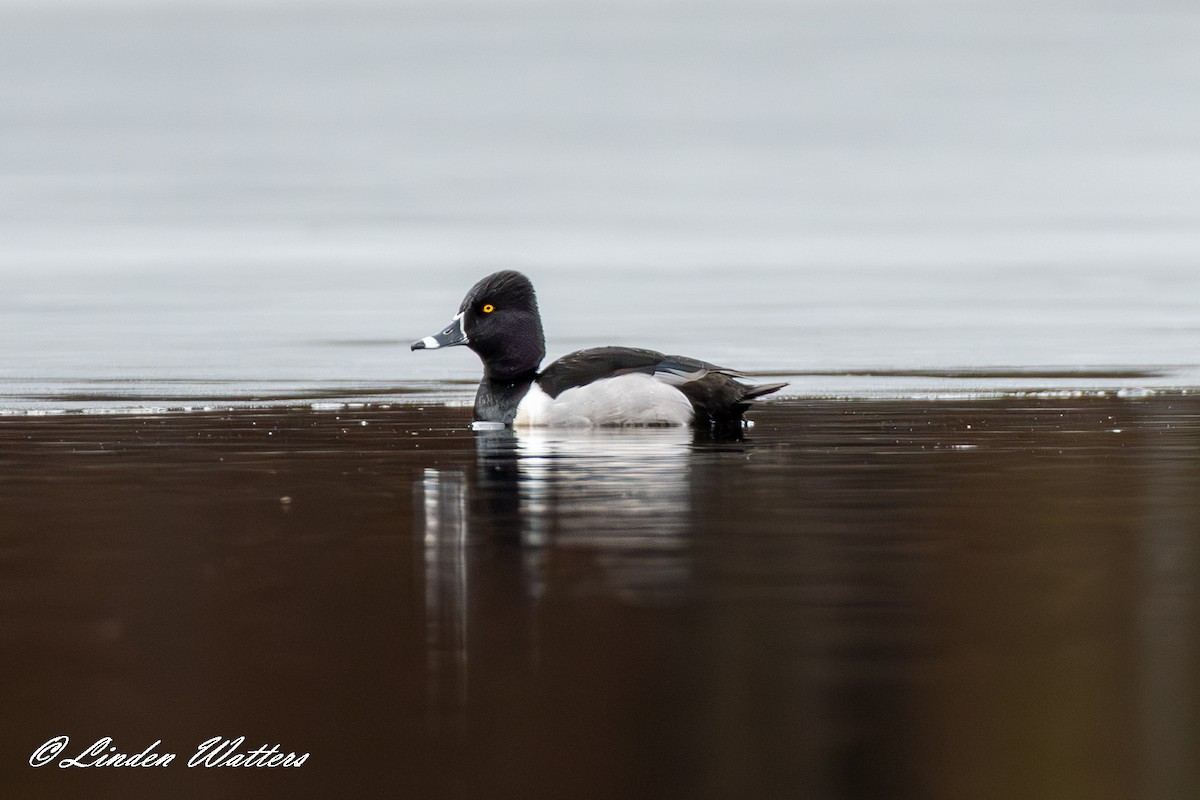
634,399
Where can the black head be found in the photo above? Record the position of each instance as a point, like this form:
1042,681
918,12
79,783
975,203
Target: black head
499,320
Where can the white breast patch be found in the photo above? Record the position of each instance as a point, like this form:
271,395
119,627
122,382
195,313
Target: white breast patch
633,399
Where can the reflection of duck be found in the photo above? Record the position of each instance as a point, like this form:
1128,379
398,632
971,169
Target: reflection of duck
499,320
603,487
613,505
547,513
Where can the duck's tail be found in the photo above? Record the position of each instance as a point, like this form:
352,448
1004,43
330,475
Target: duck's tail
753,392
725,421
719,399
747,393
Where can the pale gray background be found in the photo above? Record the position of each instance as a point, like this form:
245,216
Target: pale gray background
216,200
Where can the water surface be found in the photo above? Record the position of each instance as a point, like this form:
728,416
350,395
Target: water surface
855,600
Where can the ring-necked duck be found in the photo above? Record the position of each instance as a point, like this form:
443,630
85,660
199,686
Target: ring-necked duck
499,320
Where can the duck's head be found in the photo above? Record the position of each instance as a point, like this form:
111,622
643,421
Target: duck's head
499,320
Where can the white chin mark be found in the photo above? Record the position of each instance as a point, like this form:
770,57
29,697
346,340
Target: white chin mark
430,343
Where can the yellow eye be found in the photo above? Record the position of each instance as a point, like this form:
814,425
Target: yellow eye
488,308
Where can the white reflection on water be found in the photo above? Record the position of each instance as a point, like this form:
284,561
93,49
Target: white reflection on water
621,498
606,487
441,500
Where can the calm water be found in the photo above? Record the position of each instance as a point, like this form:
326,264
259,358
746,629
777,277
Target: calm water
858,600
973,574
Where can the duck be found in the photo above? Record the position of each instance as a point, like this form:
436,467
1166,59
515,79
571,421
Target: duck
596,387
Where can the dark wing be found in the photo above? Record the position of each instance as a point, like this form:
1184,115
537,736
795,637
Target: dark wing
585,366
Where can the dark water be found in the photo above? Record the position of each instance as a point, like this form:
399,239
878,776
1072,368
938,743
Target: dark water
857,600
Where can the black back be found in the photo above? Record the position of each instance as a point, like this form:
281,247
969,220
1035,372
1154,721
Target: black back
585,366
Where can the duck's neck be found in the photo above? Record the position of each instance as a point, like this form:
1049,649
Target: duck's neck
497,401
